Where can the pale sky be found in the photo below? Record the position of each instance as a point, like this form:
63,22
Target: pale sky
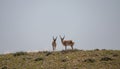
28,25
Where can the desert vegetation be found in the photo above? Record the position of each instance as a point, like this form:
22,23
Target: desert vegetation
65,59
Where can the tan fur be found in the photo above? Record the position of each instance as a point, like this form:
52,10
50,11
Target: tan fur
67,42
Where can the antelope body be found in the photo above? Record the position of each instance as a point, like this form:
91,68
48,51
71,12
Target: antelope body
67,42
54,43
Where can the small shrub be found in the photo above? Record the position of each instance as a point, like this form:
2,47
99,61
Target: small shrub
19,53
96,49
89,60
63,60
105,59
4,67
24,58
115,55
48,53
39,59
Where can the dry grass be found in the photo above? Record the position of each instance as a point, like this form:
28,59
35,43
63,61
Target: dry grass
70,59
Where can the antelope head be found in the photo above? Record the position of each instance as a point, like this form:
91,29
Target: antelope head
62,38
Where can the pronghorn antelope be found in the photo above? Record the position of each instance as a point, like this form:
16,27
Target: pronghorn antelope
67,42
54,43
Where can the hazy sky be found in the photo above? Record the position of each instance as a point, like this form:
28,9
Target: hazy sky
28,25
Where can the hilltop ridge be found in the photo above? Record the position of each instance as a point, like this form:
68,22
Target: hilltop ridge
70,59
